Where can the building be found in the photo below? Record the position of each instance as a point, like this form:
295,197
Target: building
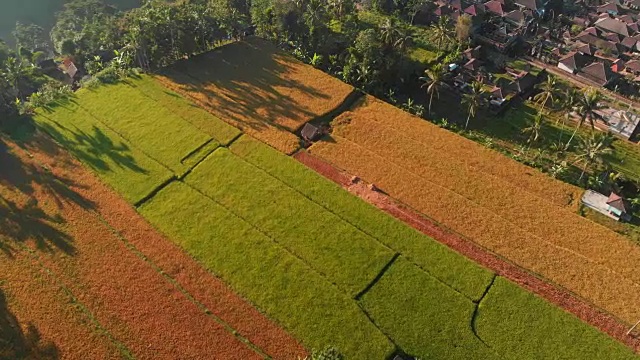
617,207
597,73
310,132
574,62
613,206
622,123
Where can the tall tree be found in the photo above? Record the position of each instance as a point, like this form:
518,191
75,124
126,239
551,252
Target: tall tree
535,129
548,91
593,150
433,81
586,108
473,100
568,104
30,36
442,31
14,72
393,36
463,28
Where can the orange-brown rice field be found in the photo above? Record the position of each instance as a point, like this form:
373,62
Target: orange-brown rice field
54,216
255,87
506,207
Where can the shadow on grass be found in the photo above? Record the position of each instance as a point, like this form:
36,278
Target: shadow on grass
95,149
239,78
18,344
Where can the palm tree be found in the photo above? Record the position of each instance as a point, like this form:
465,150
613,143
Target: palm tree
548,90
535,130
433,81
592,150
586,107
393,36
473,100
442,31
14,72
568,104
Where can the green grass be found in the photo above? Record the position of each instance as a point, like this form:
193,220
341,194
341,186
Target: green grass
187,111
626,159
345,255
116,161
445,264
277,282
154,129
136,135
422,56
523,326
425,318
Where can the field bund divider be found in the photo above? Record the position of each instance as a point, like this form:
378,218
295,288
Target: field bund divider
159,188
377,278
176,284
559,296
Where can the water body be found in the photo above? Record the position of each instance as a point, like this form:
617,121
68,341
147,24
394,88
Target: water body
41,12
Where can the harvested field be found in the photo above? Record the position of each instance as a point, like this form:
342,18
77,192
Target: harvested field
257,88
158,320
39,320
491,210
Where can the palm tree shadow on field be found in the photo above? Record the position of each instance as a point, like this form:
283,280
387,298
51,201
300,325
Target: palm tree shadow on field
247,85
93,149
29,222
18,344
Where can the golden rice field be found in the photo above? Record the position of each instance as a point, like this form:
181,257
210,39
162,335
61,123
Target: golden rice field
515,211
253,86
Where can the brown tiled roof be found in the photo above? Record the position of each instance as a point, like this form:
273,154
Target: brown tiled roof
613,37
501,92
529,4
627,18
575,61
600,43
633,65
613,25
456,4
617,65
474,10
616,201
311,132
591,30
586,49
525,82
516,16
609,7
629,42
473,64
495,7
597,72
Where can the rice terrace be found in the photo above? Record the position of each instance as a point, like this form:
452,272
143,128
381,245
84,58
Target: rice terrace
183,214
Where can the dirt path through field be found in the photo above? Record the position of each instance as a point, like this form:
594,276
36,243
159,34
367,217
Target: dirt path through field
501,266
140,288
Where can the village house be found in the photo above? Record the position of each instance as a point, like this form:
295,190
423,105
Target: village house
620,122
613,206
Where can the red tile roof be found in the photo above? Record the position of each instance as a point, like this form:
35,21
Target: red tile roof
495,7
